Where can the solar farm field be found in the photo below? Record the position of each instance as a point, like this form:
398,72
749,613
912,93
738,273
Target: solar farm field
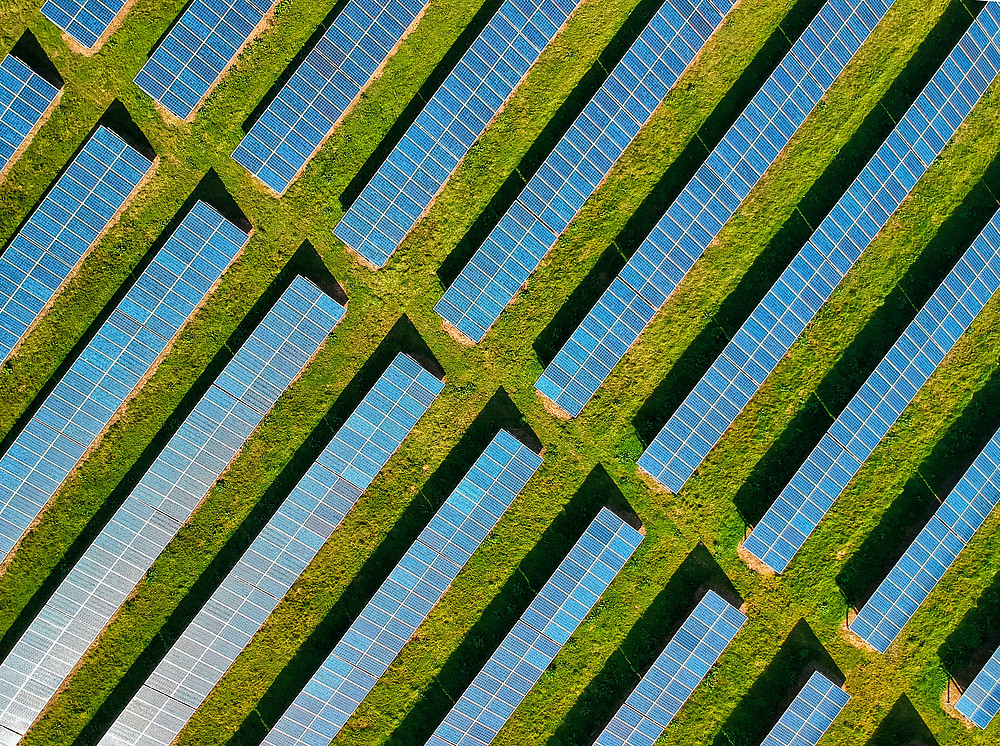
384,456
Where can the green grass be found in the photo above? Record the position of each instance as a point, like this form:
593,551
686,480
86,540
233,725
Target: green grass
691,538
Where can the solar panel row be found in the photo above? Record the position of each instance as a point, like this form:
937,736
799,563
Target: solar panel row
810,714
546,625
266,571
307,107
197,50
675,674
25,96
52,243
579,162
981,701
708,201
448,125
407,596
86,21
755,350
109,369
180,477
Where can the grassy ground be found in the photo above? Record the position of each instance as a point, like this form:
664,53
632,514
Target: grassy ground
691,538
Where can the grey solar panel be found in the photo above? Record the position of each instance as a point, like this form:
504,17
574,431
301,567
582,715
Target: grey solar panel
163,500
546,625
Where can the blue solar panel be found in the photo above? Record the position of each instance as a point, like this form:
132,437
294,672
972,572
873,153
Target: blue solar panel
265,573
180,477
81,405
329,79
981,701
694,219
86,21
25,96
810,715
675,674
579,162
542,630
753,353
67,223
197,50
407,596
449,124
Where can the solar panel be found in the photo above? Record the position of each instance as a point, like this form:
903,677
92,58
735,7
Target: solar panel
86,21
981,701
407,596
25,96
448,125
65,225
110,367
266,571
578,164
708,201
330,78
163,500
753,353
546,625
675,674
199,47
810,715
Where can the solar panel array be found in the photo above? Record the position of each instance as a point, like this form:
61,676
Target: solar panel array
51,244
448,125
307,107
109,369
675,674
810,715
697,215
981,701
84,20
546,625
753,353
199,47
24,97
579,162
265,573
407,596
179,478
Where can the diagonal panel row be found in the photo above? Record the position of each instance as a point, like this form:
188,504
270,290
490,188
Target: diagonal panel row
810,714
199,47
25,96
448,125
980,703
265,573
809,280
73,214
548,622
111,366
695,218
407,596
163,500
86,21
330,78
578,164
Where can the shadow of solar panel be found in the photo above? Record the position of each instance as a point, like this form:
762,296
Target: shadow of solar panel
24,98
555,613
329,79
449,124
151,515
810,714
708,201
86,21
578,164
65,225
697,425
981,701
197,50
81,405
675,674
407,596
